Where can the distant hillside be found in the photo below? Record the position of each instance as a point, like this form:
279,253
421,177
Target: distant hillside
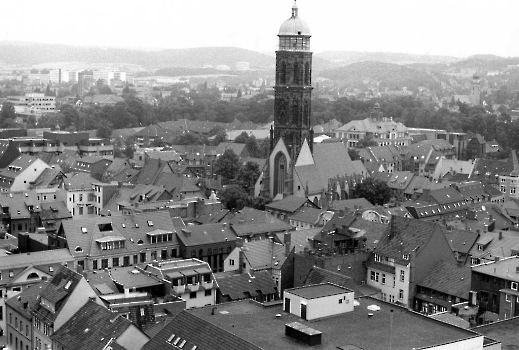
35,53
348,57
486,62
389,75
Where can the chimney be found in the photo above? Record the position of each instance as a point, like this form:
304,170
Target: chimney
341,213
287,240
500,235
239,242
426,195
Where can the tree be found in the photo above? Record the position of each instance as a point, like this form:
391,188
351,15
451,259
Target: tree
375,191
259,202
7,112
233,197
353,153
242,138
227,165
248,175
104,130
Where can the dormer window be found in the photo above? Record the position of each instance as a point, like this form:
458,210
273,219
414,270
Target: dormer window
150,223
405,256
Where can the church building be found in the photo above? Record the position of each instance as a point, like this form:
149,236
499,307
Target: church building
295,165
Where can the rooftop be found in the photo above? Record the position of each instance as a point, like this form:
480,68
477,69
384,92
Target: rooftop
251,321
318,290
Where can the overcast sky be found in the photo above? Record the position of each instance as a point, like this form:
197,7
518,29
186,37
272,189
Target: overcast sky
438,27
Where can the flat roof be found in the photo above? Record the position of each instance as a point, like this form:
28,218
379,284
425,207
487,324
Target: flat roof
318,290
252,321
504,331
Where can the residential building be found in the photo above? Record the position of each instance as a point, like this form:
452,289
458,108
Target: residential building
447,284
20,271
80,195
19,175
509,181
383,131
190,279
104,242
496,284
94,327
256,285
404,256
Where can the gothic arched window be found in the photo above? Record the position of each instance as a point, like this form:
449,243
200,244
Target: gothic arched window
308,72
295,114
306,114
280,168
283,74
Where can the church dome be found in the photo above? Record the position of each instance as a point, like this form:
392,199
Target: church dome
294,25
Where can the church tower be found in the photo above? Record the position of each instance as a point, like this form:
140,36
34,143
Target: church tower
475,90
293,88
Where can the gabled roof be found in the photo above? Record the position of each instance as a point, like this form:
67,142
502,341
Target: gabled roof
503,268
79,181
150,172
196,332
330,160
350,204
237,148
242,286
318,275
446,195
461,241
307,214
404,235
289,204
205,234
260,228
54,211
449,278
91,328
102,99
86,233
264,254
29,296
48,177
57,292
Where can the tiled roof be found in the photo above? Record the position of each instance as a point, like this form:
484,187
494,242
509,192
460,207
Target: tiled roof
29,296
264,254
76,181
91,328
374,231
318,275
497,247
133,229
418,183
289,204
504,268
196,332
57,291
54,211
205,234
330,160
349,204
48,175
370,125
243,286
259,228
404,235
461,241
449,278
307,214
446,195
237,148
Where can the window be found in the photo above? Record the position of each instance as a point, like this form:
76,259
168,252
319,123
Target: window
507,297
391,298
340,301
115,262
104,263
231,262
37,323
383,278
474,261
143,257
192,295
406,256
384,296
46,329
374,276
513,285
401,294
377,258
94,264
402,275
208,292
142,311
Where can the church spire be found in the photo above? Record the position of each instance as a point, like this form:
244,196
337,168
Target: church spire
294,9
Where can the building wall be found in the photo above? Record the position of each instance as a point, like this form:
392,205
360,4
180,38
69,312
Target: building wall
19,336
320,307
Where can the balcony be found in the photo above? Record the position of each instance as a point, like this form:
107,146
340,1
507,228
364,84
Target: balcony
179,289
